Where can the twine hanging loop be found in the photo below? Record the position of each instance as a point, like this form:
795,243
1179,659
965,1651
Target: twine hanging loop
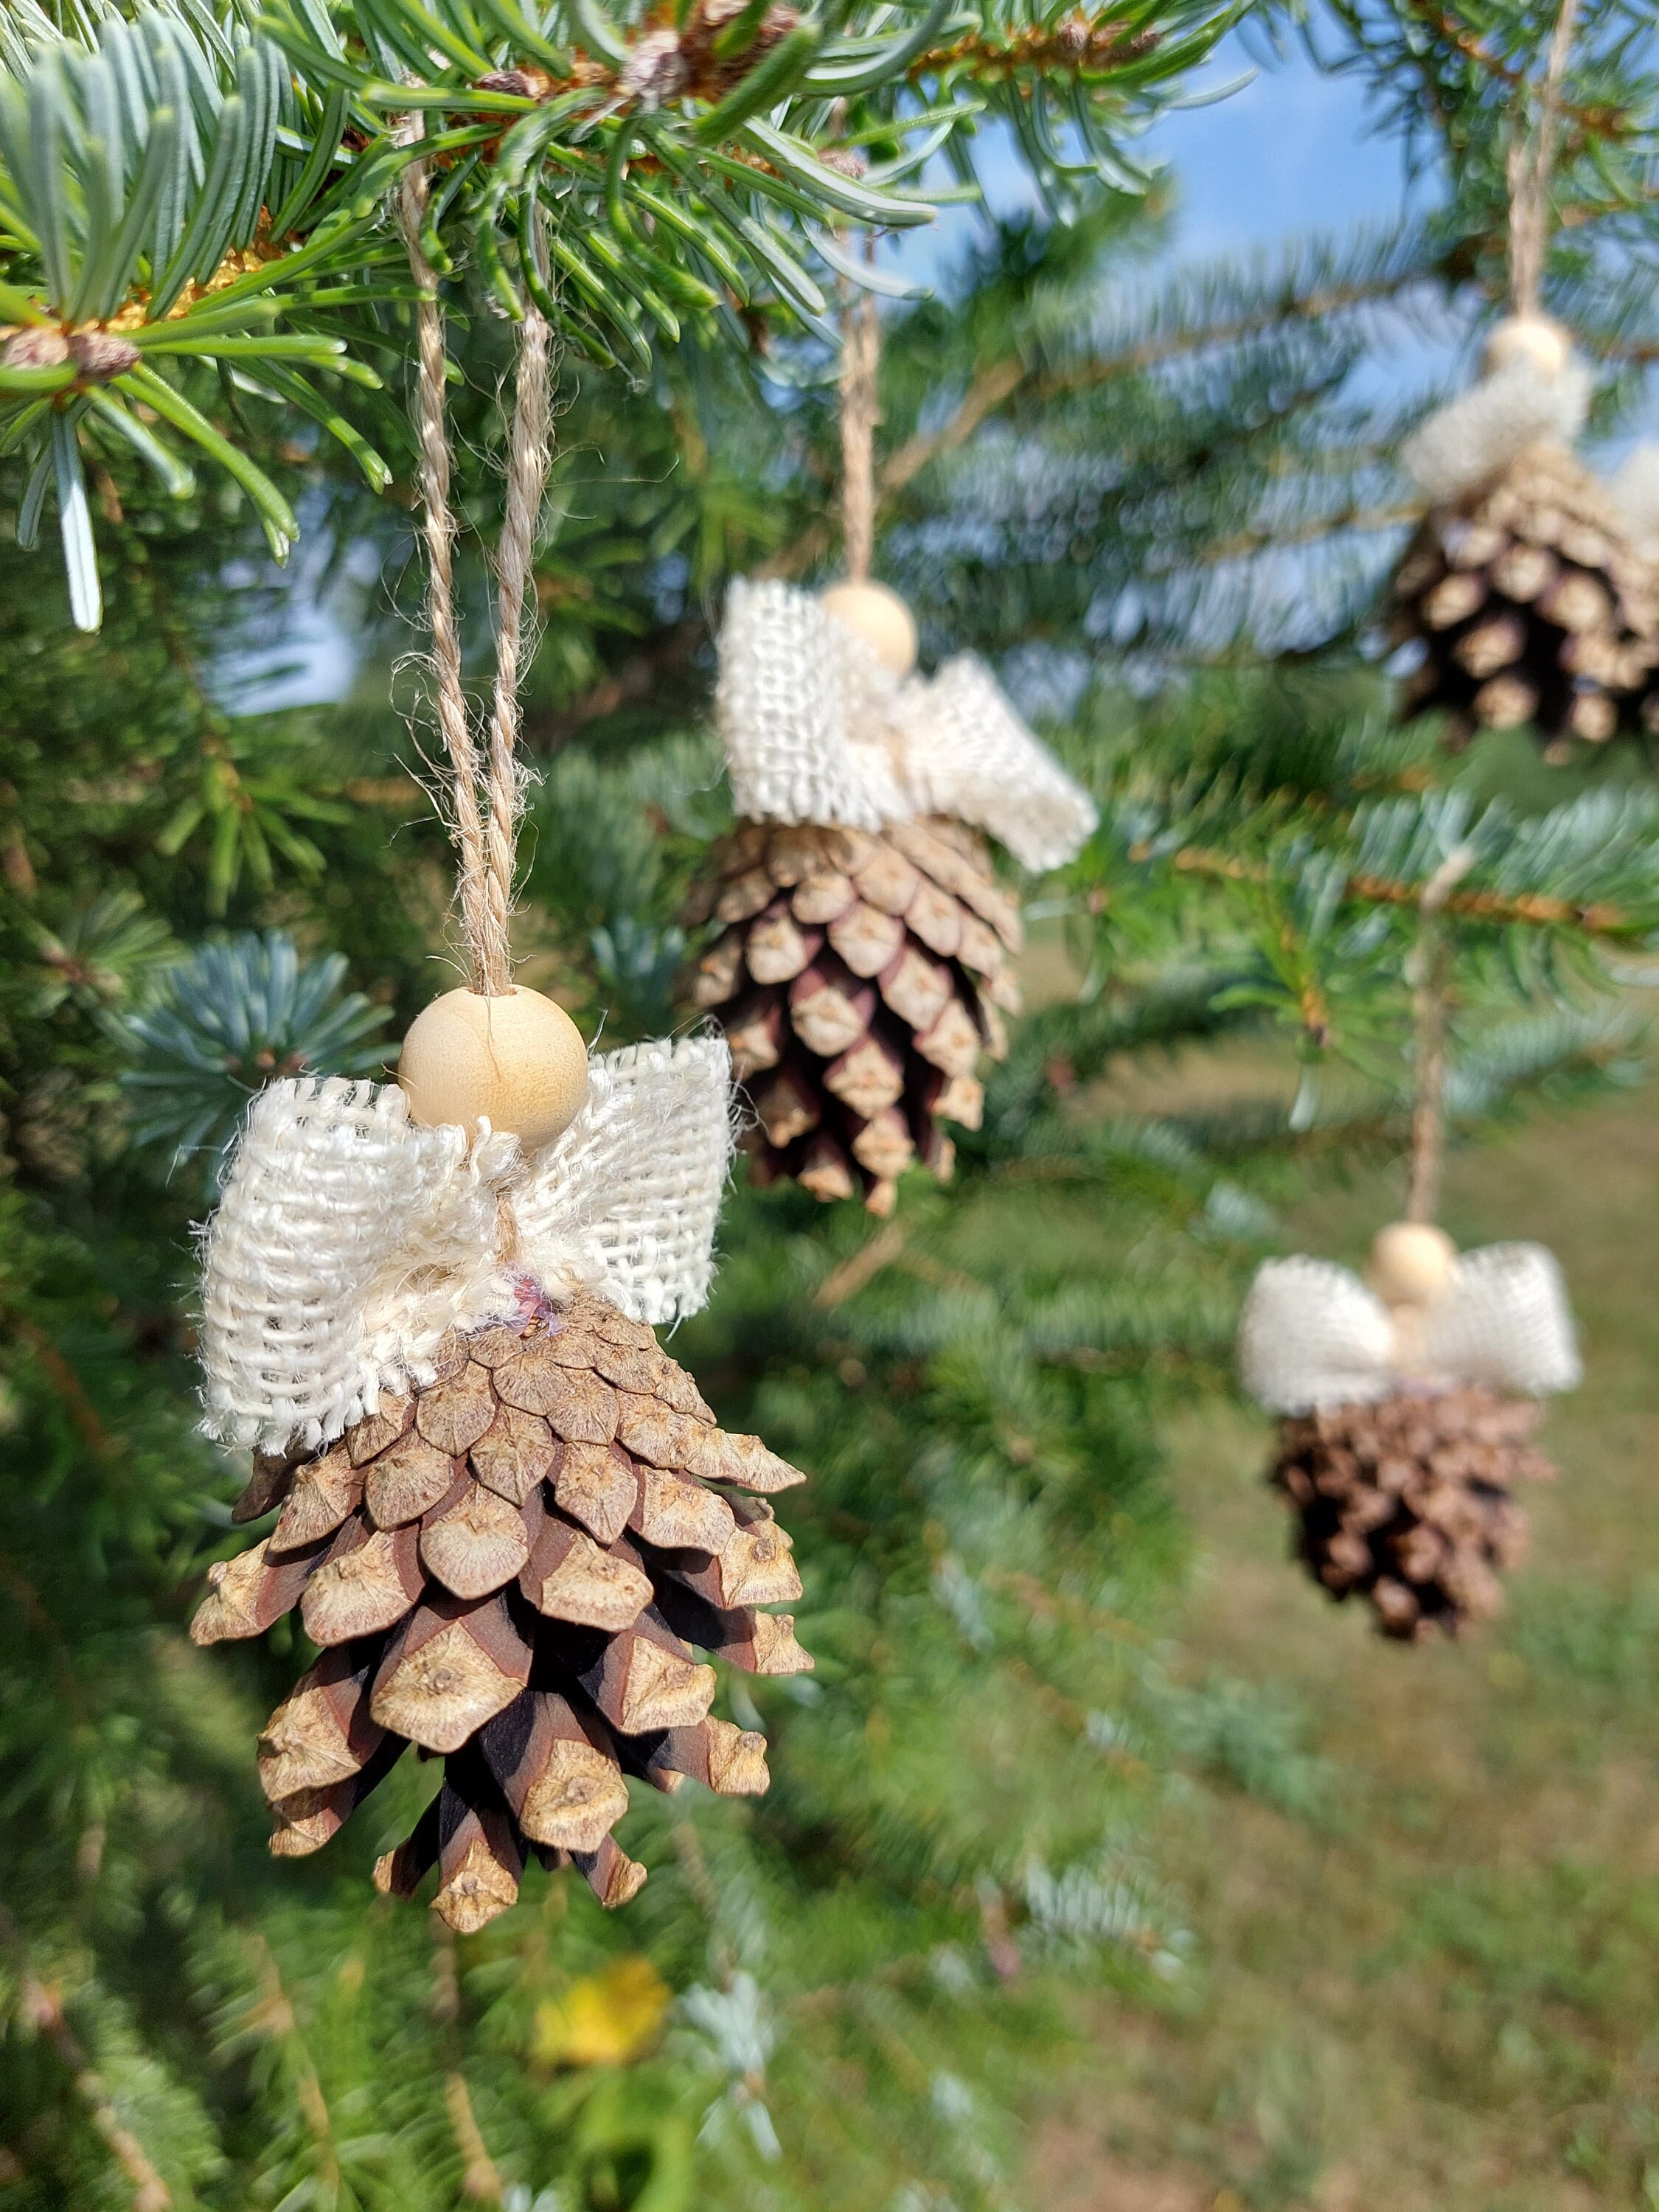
485,787
860,412
1531,163
1427,972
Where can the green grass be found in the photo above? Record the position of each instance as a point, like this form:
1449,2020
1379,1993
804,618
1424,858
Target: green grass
1422,1884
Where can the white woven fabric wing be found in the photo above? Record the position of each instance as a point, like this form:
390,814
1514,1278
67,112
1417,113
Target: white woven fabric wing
635,1184
1312,1334
790,682
349,1241
1465,443
1505,1323
817,729
963,751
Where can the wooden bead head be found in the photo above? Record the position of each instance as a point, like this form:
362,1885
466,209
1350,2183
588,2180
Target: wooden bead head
880,618
1533,341
1411,1263
518,1062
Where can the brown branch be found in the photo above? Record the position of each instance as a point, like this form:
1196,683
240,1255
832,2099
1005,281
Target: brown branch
42,2006
481,2180
1608,122
846,1280
1363,519
1535,910
1068,48
273,2018
83,1414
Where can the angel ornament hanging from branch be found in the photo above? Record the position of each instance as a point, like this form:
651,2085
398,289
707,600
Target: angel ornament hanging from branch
1407,1400
506,1518
1524,591
863,961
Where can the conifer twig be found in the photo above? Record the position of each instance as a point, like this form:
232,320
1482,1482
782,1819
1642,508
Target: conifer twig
1535,910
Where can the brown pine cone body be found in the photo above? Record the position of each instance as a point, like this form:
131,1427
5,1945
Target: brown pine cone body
858,978
510,1568
1532,607
1407,1501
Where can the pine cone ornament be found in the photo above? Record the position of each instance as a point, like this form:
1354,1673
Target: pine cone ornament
1408,1405
1523,586
514,1567
1407,1501
862,966
504,1515
859,976
1531,605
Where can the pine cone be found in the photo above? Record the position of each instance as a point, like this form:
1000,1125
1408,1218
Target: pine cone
858,978
509,1569
1407,1502
1533,607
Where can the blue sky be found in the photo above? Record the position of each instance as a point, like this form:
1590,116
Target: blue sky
1291,151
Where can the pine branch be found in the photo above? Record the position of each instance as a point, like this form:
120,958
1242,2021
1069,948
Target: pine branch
1528,910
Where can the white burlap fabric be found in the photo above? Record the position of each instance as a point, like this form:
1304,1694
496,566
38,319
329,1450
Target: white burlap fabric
1311,1334
349,1241
1464,444
817,730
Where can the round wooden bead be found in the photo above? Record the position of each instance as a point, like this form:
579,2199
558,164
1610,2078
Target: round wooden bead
1411,1263
1534,341
518,1062
880,618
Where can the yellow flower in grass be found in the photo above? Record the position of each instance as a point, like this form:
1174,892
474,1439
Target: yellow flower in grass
607,2019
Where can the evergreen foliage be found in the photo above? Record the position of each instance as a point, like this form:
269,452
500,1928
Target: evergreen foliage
843,1994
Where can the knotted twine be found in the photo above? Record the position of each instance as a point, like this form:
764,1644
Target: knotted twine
485,788
1531,161
1426,971
1517,403
860,411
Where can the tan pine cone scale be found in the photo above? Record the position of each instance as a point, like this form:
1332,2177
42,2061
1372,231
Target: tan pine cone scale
514,1568
859,977
1407,1501
1532,607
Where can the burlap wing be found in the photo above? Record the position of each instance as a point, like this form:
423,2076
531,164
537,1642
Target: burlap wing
1505,1323
346,1242
817,731
964,751
1311,1335
801,704
633,1187
1464,444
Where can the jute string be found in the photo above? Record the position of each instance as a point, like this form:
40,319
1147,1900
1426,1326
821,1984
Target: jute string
1531,162
860,411
528,456
1429,979
484,793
